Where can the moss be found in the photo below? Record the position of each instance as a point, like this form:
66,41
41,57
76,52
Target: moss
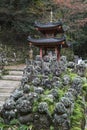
31,88
46,92
50,103
75,128
51,128
85,87
3,126
39,76
50,76
14,125
60,93
48,100
5,72
35,106
72,75
51,108
84,80
65,88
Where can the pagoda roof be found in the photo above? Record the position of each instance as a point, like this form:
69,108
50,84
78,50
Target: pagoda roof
48,42
50,27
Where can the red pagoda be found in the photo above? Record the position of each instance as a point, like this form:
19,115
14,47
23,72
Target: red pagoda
50,30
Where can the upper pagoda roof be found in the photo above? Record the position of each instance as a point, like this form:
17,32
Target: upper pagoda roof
48,42
48,25
51,27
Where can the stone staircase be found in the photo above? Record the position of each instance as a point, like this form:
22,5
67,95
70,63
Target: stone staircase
10,82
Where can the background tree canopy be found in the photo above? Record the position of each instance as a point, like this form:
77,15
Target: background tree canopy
17,19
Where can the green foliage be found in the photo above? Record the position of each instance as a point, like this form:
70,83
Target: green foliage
51,128
5,72
50,76
75,128
72,75
68,52
85,91
47,91
35,106
2,125
24,127
60,93
51,108
50,103
14,125
39,76
48,100
78,114
17,18
84,80
14,122
86,72
85,87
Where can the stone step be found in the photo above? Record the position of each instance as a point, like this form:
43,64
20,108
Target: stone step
12,77
3,97
9,84
1,104
18,73
6,87
16,67
4,90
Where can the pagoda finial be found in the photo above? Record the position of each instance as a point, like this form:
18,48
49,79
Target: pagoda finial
51,15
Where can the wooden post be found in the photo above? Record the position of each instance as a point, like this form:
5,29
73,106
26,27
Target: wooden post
41,52
45,51
57,51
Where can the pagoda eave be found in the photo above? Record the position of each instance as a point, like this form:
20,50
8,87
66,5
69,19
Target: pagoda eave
52,46
48,42
49,28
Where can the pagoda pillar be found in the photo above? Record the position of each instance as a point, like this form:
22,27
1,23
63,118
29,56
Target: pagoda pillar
57,51
58,54
41,52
